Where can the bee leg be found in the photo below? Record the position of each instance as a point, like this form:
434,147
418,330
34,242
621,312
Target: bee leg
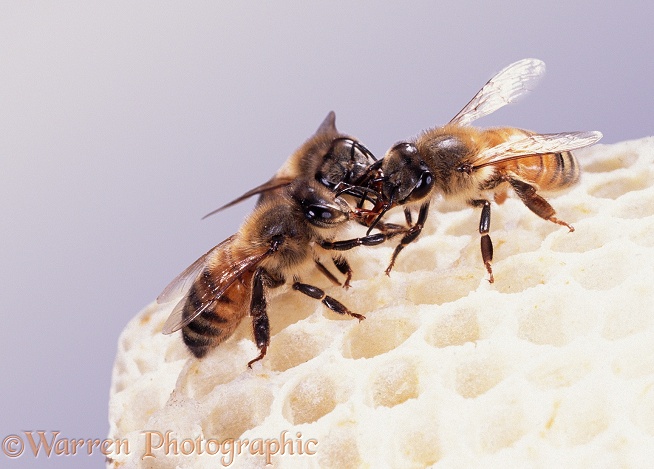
486,242
536,203
260,324
347,244
331,303
411,234
325,271
390,228
343,267
407,217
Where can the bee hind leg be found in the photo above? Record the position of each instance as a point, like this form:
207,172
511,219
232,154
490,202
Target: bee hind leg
536,203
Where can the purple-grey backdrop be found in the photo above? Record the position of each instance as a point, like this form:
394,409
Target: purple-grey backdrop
122,123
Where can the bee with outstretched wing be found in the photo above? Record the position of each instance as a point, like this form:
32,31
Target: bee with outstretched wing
477,165
284,236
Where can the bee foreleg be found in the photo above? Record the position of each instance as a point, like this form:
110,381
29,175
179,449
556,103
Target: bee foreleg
325,271
484,229
260,324
411,234
535,202
391,229
345,245
343,267
331,303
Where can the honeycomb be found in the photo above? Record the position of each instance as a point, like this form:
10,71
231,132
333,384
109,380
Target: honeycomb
551,365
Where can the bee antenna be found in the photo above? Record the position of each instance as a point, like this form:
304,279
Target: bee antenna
364,150
378,218
367,176
356,191
341,188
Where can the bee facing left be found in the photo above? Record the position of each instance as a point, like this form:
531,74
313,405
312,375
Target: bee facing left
281,239
475,166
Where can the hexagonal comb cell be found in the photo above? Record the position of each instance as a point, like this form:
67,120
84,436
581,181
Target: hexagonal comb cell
313,397
393,382
378,334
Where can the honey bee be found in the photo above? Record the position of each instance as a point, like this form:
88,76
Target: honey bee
280,240
331,158
476,165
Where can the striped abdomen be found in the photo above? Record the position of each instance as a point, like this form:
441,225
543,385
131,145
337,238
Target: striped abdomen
548,172
218,321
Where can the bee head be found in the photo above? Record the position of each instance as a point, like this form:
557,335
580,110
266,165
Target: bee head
407,178
345,162
318,205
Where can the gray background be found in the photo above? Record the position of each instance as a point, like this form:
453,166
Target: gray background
122,124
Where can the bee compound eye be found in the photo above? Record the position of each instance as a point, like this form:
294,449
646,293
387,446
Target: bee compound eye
319,213
324,180
324,216
423,186
426,180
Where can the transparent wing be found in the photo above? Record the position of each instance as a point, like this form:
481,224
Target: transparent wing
287,173
182,283
222,276
273,184
536,144
176,319
504,88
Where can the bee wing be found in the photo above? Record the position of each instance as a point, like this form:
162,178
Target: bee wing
536,144
328,125
273,184
508,85
183,281
224,276
286,173
176,320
